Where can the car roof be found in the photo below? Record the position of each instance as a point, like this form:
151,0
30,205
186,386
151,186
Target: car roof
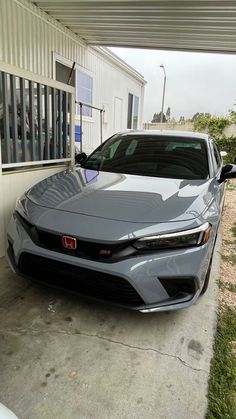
167,133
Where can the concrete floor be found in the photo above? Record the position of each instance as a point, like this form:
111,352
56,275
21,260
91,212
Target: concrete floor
63,357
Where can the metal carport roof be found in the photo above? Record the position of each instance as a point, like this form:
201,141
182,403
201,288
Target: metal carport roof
204,25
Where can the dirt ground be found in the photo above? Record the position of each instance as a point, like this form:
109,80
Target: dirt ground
227,292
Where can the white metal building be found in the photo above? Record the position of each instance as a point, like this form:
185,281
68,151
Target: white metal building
36,56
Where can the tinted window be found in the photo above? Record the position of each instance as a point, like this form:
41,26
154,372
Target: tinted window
217,156
157,156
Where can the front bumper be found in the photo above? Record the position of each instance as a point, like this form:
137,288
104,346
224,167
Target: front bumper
161,281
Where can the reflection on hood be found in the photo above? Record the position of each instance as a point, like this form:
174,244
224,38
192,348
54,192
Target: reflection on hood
123,197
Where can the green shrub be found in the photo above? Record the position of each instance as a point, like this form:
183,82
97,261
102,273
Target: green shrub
214,126
227,144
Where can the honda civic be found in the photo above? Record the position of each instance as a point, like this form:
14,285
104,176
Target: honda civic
133,224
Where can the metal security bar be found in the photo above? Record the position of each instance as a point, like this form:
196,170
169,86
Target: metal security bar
36,121
81,104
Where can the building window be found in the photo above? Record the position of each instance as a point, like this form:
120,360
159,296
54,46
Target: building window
135,112
82,81
63,74
84,92
133,108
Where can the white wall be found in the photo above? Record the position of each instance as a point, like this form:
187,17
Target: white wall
172,126
185,126
12,186
15,184
28,39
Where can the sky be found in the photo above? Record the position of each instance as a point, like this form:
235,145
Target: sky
195,82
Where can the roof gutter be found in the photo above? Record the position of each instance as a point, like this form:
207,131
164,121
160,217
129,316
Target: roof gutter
120,63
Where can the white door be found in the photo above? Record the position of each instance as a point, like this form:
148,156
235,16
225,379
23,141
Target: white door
117,121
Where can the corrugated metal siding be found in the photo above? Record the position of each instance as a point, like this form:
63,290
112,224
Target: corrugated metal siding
205,25
28,37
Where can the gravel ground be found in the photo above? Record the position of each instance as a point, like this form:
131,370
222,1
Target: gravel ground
227,294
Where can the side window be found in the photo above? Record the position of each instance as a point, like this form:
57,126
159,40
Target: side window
217,155
216,159
63,73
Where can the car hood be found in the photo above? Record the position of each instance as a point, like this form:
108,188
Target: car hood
123,197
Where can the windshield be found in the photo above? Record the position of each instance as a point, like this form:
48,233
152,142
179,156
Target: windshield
158,156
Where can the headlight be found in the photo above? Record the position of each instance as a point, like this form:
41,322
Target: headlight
188,238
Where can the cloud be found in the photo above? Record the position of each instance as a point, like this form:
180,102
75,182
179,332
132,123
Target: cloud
196,82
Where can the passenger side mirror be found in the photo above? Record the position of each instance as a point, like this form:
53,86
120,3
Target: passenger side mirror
228,172
80,158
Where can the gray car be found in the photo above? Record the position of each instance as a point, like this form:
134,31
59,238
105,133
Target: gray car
133,224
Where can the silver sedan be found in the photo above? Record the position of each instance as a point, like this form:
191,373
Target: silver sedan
133,224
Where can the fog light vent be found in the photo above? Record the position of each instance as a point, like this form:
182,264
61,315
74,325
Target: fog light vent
178,285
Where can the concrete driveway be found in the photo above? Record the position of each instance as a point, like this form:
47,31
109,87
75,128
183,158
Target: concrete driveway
64,357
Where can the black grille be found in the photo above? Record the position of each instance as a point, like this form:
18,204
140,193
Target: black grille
85,249
84,281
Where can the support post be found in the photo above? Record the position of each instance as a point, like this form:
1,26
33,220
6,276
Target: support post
81,124
2,201
101,112
72,128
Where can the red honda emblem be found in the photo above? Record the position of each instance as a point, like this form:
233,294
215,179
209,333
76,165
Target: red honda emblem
69,242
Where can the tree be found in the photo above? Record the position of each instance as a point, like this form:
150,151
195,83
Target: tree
198,115
232,114
215,126
168,114
157,118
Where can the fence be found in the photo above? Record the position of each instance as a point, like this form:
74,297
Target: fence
36,134
36,120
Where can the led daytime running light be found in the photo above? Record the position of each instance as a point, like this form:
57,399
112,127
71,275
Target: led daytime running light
186,238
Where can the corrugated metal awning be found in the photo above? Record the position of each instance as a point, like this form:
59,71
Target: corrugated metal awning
203,25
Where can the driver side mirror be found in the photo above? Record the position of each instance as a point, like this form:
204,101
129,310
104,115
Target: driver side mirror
228,172
80,158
